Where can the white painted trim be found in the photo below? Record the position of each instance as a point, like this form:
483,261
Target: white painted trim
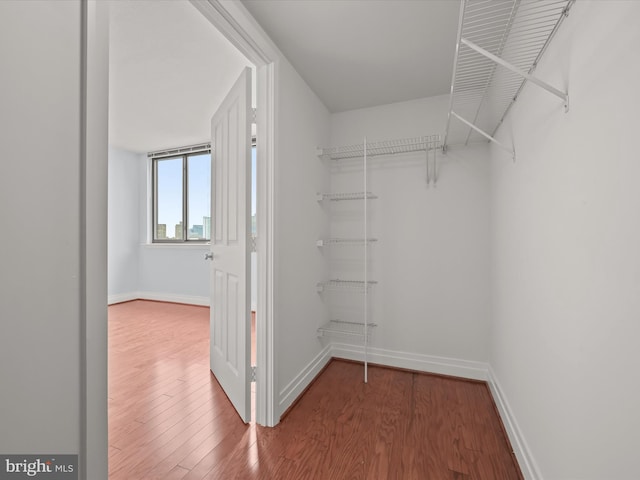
93,441
205,247
234,21
159,297
174,298
526,461
413,361
296,386
266,352
237,25
123,297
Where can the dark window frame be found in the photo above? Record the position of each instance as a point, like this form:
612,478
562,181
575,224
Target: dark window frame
171,155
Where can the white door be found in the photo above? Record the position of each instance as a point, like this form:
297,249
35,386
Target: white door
230,327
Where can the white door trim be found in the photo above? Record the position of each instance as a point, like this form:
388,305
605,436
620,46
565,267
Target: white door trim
94,94
236,24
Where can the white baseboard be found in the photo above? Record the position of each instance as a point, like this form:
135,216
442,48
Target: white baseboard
122,297
526,461
296,386
174,298
159,297
413,361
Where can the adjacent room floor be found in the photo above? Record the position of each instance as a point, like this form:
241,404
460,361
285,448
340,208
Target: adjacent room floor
169,418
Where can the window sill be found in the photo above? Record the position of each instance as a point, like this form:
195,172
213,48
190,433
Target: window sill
203,246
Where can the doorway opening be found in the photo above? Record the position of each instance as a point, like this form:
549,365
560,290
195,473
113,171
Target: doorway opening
141,252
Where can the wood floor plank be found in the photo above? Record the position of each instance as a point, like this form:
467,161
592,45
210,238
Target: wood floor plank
151,442
169,418
391,430
223,424
216,457
238,457
177,473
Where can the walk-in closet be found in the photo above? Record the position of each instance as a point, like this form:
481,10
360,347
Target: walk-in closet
446,234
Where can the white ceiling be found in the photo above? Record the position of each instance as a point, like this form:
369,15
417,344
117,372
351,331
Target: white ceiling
362,53
170,68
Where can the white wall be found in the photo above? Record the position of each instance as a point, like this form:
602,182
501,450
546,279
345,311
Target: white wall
138,268
431,260
566,256
176,273
173,273
40,211
53,256
303,124
124,223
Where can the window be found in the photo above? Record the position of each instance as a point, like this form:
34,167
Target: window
182,196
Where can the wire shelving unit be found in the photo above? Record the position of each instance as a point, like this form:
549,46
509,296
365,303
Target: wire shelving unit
343,196
349,286
353,242
500,43
387,147
356,329
430,144
346,329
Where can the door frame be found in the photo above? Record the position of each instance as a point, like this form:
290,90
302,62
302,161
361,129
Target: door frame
236,24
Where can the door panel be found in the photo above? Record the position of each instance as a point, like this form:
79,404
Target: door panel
231,265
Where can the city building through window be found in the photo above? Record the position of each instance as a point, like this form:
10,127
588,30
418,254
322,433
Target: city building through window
182,197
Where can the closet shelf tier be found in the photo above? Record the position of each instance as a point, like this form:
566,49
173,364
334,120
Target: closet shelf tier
337,197
345,241
499,46
342,328
387,147
349,286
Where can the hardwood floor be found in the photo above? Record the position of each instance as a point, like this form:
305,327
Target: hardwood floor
169,418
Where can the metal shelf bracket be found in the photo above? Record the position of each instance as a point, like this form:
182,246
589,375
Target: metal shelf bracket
558,93
485,134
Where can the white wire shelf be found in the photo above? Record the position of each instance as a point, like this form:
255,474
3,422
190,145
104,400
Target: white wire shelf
346,329
499,45
345,241
387,147
338,197
347,286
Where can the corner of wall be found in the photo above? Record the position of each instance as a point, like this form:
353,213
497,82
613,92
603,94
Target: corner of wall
520,447
122,297
294,389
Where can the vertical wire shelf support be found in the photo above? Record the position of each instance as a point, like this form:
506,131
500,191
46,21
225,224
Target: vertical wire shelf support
366,262
362,328
513,35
